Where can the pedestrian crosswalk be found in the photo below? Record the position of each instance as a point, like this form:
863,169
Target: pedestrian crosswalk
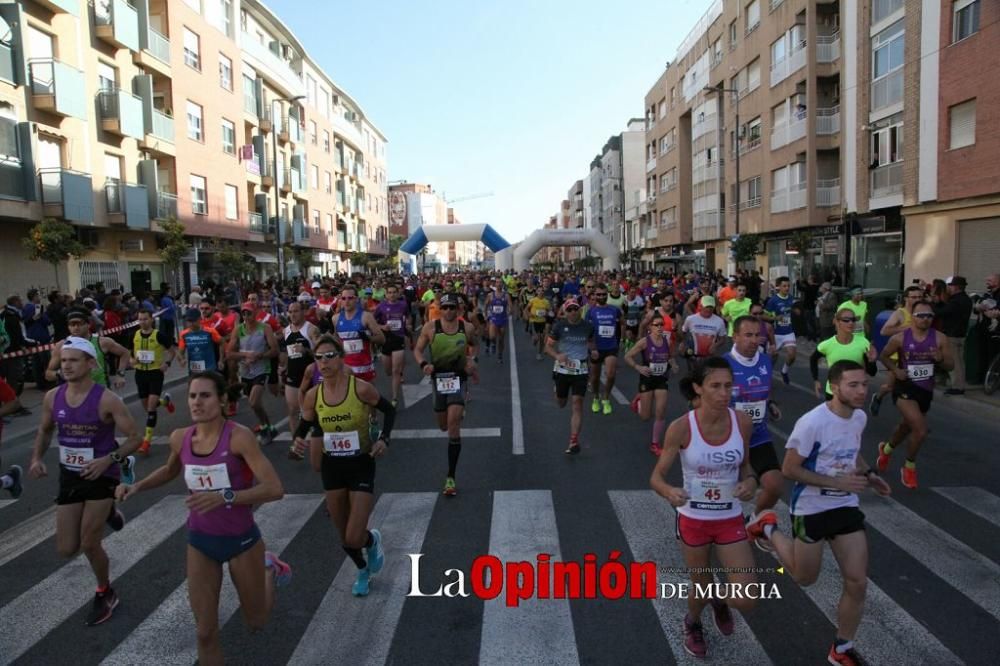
522,525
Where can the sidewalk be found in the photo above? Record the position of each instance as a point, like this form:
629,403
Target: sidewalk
21,427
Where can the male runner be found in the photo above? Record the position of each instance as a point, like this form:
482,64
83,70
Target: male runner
357,330
391,316
537,311
498,311
635,305
920,349
252,346
86,415
606,320
844,346
152,353
823,458
78,323
295,345
900,320
571,344
704,332
198,345
779,309
736,307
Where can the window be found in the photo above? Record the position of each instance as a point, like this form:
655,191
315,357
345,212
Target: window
313,138
328,182
779,179
107,76
329,224
732,35
225,72
753,191
883,8
315,219
311,91
194,115
753,75
717,52
199,197
326,141
228,137
887,50
965,19
673,96
963,124
753,130
753,16
192,49
887,141
232,208
662,109
778,50
324,102
314,177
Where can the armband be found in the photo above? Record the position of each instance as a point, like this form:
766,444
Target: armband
869,473
305,427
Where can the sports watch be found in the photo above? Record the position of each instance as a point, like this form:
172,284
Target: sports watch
229,495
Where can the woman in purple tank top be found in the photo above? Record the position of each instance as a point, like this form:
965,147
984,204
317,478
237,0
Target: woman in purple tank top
226,475
654,373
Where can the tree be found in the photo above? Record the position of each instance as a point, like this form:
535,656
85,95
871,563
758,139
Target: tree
54,242
304,258
395,242
801,242
360,260
746,247
233,263
175,247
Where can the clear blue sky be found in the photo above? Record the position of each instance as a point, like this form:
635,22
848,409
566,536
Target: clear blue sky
512,97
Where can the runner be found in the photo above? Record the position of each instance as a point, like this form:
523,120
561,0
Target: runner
844,346
9,404
391,315
711,442
198,346
227,476
654,376
823,458
859,307
635,306
357,330
86,416
537,311
498,311
571,344
251,346
295,346
152,353
766,339
735,307
704,333
900,320
607,322
920,350
779,311
78,323
337,414
452,351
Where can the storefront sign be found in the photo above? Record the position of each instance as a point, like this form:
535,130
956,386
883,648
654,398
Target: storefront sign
869,224
831,246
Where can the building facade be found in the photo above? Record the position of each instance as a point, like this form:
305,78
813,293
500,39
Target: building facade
121,114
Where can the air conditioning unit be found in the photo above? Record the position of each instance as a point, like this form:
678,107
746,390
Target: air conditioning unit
131,245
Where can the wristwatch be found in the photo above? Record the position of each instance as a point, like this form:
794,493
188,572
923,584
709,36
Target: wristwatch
229,495
116,457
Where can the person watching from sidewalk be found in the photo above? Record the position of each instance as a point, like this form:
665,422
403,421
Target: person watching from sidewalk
954,314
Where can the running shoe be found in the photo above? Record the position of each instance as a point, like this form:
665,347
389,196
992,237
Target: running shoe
376,554
882,462
655,449
723,618
449,487
694,639
908,476
848,658
104,605
282,572
634,405
595,405
572,449
116,519
264,435
144,447
607,407
360,587
875,404
755,528
395,403
784,376
15,472
168,402
128,470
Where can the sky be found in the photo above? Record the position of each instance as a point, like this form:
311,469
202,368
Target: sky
514,97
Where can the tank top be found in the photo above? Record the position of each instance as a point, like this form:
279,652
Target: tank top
448,350
657,357
345,424
497,309
148,351
905,317
298,347
357,352
253,342
393,314
711,472
214,472
82,434
200,350
751,389
100,372
917,358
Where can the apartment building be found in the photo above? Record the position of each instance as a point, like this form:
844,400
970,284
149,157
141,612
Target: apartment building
577,213
417,204
121,113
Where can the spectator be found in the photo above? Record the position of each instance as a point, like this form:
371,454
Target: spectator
195,297
56,312
826,310
809,289
36,324
13,368
955,313
169,311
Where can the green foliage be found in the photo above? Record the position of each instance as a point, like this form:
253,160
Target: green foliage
53,242
233,263
175,247
394,244
360,259
746,248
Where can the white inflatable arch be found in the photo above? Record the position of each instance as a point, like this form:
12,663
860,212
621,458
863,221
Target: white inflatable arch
519,256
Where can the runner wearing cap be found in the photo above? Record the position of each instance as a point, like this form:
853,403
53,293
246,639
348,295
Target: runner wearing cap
251,346
152,353
570,342
78,323
85,416
900,320
859,307
704,333
295,344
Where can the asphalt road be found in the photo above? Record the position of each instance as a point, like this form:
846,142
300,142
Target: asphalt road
934,576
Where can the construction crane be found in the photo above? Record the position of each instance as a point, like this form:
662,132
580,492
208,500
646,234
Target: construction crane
481,195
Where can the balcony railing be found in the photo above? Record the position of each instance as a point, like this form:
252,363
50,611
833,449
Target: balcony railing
124,110
279,68
750,144
828,192
114,196
163,126
706,225
828,47
705,172
117,22
828,120
887,180
791,63
704,125
651,164
788,131
255,222
887,90
166,205
788,198
72,190
159,46
57,87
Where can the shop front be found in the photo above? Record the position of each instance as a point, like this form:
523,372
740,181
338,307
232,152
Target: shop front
876,251
824,256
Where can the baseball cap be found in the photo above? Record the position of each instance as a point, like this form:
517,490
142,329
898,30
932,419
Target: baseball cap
449,299
316,285
248,307
76,313
570,301
957,280
732,278
707,302
303,298
79,344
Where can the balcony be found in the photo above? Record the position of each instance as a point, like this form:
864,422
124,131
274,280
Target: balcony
166,206
12,176
887,185
121,113
828,193
651,164
126,203
266,172
887,91
255,223
790,64
652,233
787,131
61,6
116,22
264,121
58,88
704,173
348,129
704,125
300,232
706,225
359,170
279,69
159,136
67,194
828,47
750,144
828,120
285,180
250,102
788,198
153,54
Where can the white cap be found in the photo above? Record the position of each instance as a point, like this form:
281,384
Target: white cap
304,298
80,344
316,285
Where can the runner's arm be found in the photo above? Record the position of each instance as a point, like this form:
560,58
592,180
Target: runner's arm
422,341
891,347
893,325
677,433
371,396
109,346
167,472
267,486
633,352
814,364
375,333
44,435
52,371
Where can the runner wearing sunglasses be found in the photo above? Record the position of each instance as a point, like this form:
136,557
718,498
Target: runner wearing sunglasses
844,346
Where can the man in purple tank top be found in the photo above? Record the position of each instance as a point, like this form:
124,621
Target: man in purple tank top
86,415
920,349
391,315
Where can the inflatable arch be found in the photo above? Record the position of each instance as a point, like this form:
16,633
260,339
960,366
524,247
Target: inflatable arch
453,232
519,257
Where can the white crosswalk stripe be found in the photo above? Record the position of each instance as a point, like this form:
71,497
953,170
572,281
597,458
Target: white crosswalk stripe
26,535
975,500
7,502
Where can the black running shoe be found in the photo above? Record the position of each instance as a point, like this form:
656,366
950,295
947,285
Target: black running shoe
15,473
103,607
116,519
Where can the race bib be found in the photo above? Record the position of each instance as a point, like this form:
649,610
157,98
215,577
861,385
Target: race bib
498,309
833,492
145,355
755,410
606,331
658,368
75,458
859,326
206,477
540,313
631,322
448,384
919,372
395,325
354,346
711,494
295,351
571,366
196,366
342,443
784,320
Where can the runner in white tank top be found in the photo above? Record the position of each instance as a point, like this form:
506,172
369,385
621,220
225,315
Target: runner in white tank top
711,473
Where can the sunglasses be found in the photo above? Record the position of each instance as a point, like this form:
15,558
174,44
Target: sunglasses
924,315
449,307
327,356
348,298
656,325
847,320
573,308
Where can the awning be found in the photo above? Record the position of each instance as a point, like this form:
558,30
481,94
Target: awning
263,257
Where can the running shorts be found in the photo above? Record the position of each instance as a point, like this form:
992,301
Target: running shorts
907,390
74,489
828,524
149,382
393,343
781,341
249,383
223,548
695,532
653,383
442,401
356,473
603,354
566,384
763,459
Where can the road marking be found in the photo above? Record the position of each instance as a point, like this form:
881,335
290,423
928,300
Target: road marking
7,502
644,517
26,535
31,616
538,630
434,433
158,440
969,572
779,432
517,425
363,634
168,635
975,500
414,393
619,396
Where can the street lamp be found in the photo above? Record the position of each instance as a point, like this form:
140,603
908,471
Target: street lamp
279,227
736,145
